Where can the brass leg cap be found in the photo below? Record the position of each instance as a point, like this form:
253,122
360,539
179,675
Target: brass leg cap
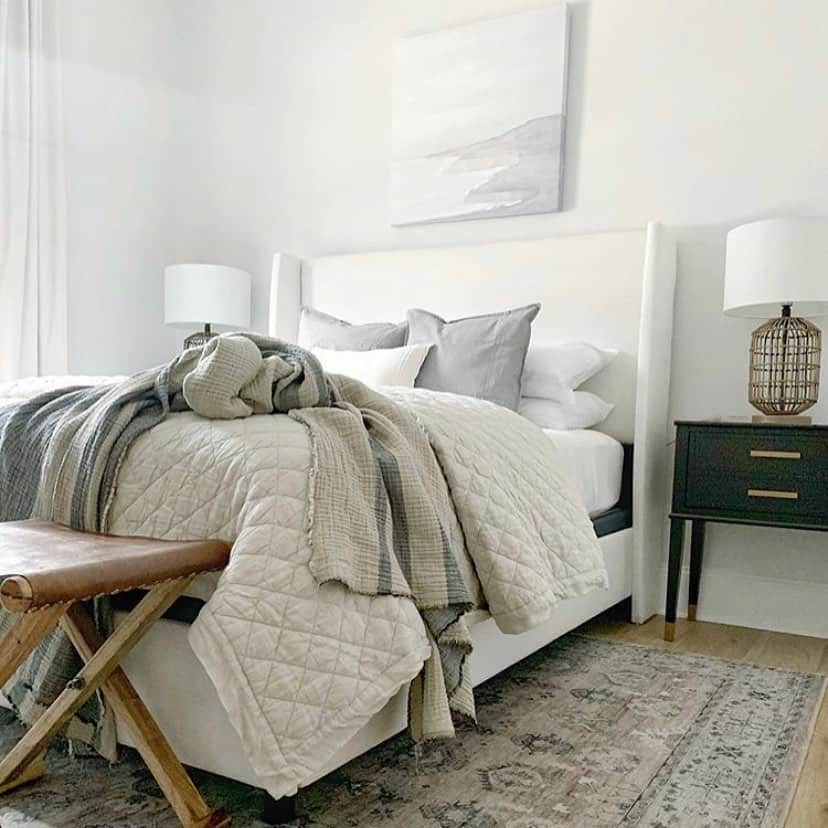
691,612
669,631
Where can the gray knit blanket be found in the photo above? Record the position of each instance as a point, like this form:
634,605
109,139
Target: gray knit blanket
378,518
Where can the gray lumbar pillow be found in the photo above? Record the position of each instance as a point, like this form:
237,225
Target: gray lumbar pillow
480,356
320,330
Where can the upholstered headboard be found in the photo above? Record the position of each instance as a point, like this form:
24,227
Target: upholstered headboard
611,289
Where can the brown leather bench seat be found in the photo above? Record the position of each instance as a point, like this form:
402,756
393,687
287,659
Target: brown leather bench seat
47,573
42,563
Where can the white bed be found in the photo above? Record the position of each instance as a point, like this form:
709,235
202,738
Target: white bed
613,289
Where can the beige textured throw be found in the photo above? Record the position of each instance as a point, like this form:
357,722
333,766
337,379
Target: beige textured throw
380,521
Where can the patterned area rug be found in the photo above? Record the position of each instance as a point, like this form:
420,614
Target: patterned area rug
585,734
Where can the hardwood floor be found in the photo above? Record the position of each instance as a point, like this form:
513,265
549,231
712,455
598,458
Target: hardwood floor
789,652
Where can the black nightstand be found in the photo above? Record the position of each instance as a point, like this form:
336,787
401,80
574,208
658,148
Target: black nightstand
739,472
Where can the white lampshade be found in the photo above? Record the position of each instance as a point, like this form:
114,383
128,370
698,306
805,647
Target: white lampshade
200,294
777,262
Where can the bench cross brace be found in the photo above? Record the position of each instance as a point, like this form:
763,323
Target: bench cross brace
101,670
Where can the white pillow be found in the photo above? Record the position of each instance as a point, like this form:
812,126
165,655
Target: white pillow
384,366
585,411
553,372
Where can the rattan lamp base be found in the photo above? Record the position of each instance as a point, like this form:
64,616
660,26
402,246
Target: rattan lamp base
200,338
784,369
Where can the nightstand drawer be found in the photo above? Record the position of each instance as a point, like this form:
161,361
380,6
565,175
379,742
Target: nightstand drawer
757,472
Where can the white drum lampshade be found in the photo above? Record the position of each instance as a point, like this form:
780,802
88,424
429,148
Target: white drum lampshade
201,295
773,265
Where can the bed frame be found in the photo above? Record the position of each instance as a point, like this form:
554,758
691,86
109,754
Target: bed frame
612,289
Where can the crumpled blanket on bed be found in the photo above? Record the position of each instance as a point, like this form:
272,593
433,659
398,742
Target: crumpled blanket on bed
301,667
379,516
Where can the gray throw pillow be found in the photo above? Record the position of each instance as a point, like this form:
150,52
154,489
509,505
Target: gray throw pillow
320,330
480,356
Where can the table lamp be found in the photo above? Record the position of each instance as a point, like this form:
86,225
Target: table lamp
197,295
773,264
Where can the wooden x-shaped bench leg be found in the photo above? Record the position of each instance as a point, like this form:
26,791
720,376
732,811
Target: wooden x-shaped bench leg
18,644
102,670
24,636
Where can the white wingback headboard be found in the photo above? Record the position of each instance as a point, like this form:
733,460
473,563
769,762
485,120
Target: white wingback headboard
612,289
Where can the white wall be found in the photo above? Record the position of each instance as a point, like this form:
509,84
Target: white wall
134,153
701,113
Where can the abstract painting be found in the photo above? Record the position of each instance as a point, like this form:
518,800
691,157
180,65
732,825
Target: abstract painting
478,119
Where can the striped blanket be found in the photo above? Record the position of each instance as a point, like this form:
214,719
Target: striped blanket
378,516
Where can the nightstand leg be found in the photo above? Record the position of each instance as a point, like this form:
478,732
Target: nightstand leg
696,557
673,577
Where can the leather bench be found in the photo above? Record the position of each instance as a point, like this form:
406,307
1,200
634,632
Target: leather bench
46,573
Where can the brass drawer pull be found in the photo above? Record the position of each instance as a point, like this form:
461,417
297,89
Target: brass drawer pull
773,493
778,455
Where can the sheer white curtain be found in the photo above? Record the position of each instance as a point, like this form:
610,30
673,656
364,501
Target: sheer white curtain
32,193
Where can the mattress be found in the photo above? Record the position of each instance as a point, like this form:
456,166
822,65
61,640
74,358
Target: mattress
595,461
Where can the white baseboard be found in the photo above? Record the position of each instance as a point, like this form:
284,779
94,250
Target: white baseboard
728,597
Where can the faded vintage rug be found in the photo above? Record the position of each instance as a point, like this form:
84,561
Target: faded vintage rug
584,734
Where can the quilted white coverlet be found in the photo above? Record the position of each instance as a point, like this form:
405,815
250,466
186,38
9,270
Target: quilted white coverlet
299,667
25,389
526,529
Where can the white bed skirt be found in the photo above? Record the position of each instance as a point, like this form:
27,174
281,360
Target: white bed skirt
175,687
